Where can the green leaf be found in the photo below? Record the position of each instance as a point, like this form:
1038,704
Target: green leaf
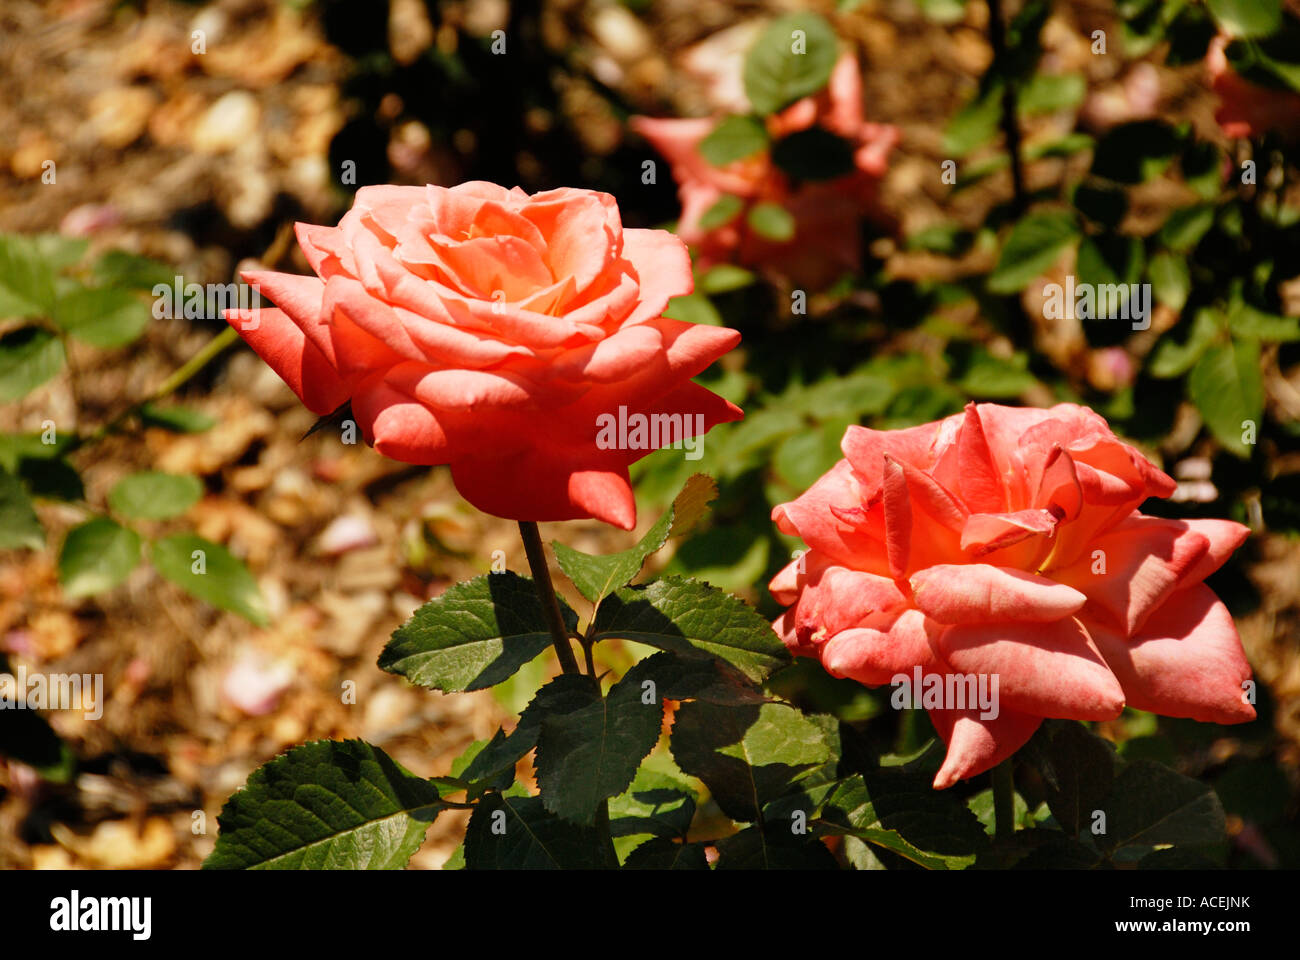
1035,243
1171,281
747,755
326,805
939,11
1247,18
725,209
982,805
897,810
475,635
1066,146
154,496
41,466
210,572
655,804
1135,152
792,58
591,753
989,376
661,853
29,356
949,239
1247,321
814,154
1173,359
1077,768
1185,227
1269,62
117,268
488,767
102,316
595,576
517,833
1047,93
901,798
176,419
59,252
18,447
1143,27
693,308
1108,259
692,618
771,221
686,678
1150,804
735,138
1226,386
26,278
773,848
723,278
484,765
973,173
975,124
97,556
19,525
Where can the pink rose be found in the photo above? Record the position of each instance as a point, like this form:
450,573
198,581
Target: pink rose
1247,109
827,213
490,330
1005,542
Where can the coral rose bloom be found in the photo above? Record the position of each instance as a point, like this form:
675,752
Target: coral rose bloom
1247,109
1005,542
490,330
827,214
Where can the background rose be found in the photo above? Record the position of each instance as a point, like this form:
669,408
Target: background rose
1007,541
488,329
1247,109
826,214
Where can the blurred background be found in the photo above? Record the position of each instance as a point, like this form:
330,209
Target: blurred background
144,141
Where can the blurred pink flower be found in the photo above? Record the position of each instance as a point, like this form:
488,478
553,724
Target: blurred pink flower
255,683
1247,109
827,214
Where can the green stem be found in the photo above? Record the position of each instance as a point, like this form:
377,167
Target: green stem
181,376
536,553
1004,802
195,363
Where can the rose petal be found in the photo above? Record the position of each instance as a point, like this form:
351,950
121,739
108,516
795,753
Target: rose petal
981,593
1052,670
1138,563
1187,660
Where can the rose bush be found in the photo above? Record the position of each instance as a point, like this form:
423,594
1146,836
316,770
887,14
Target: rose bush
826,213
1007,541
488,329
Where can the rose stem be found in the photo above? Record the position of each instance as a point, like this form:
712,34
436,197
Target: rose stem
546,594
1004,804
1010,120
